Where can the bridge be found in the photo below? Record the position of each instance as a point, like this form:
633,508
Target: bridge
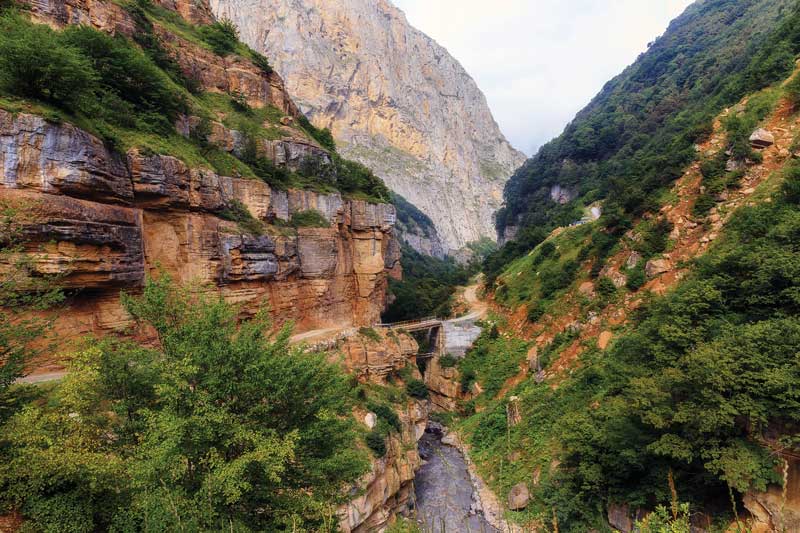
434,326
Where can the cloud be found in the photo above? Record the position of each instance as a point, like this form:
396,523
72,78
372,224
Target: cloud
541,61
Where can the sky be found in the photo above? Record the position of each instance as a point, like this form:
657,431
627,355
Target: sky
540,61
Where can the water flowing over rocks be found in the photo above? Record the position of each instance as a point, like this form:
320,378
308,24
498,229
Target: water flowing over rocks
394,99
446,498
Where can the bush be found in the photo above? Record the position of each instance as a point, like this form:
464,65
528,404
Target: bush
352,176
417,389
36,62
322,136
310,218
261,62
704,203
536,311
606,289
385,413
636,278
239,213
370,334
222,36
791,185
376,440
127,78
447,361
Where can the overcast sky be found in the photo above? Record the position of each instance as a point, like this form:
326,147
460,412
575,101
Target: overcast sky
540,61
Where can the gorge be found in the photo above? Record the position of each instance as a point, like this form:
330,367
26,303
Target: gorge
206,212
394,100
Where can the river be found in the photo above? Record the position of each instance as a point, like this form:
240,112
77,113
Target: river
446,499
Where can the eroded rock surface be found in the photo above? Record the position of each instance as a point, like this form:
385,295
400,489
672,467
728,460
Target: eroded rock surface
103,222
394,99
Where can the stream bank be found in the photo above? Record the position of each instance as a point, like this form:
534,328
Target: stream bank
446,497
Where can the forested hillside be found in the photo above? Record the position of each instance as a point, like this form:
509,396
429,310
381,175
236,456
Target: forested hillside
636,137
661,340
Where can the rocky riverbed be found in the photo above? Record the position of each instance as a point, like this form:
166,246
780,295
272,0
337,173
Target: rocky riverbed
446,498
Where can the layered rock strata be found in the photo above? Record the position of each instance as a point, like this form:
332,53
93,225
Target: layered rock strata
102,222
393,98
388,488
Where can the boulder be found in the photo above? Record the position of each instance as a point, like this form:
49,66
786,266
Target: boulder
370,419
633,259
761,138
519,497
654,267
619,517
604,340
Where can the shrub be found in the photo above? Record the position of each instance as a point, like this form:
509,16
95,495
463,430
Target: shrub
606,288
322,136
447,361
376,440
239,213
127,76
352,176
791,185
385,413
636,278
417,389
310,218
222,36
703,205
793,91
261,62
369,333
35,62
535,311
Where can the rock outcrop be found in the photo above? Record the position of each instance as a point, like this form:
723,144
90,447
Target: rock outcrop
374,359
777,509
389,486
393,98
102,222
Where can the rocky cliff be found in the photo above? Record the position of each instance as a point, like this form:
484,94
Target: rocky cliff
394,99
102,219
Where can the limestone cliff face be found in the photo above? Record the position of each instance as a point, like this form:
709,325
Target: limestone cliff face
394,99
388,488
103,221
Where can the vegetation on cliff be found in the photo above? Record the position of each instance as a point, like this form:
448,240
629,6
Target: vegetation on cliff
222,427
628,145
696,387
426,289
132,92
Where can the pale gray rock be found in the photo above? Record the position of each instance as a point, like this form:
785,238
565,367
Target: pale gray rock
761,138
394,99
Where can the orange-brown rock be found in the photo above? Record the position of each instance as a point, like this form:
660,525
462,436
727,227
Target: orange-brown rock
103,223
443,385
374,360
106,16
389,485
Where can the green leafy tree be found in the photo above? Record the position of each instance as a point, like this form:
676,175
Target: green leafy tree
36,63
221,427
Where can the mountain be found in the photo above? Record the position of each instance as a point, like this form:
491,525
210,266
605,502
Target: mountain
647,357
636,136
394,99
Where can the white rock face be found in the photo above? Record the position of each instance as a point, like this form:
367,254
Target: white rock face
393,98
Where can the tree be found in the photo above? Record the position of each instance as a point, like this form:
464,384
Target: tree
221,427
36,63
244,430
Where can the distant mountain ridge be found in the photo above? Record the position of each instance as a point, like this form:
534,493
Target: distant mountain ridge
394,99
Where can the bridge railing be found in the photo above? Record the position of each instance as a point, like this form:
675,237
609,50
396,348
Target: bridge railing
395,325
